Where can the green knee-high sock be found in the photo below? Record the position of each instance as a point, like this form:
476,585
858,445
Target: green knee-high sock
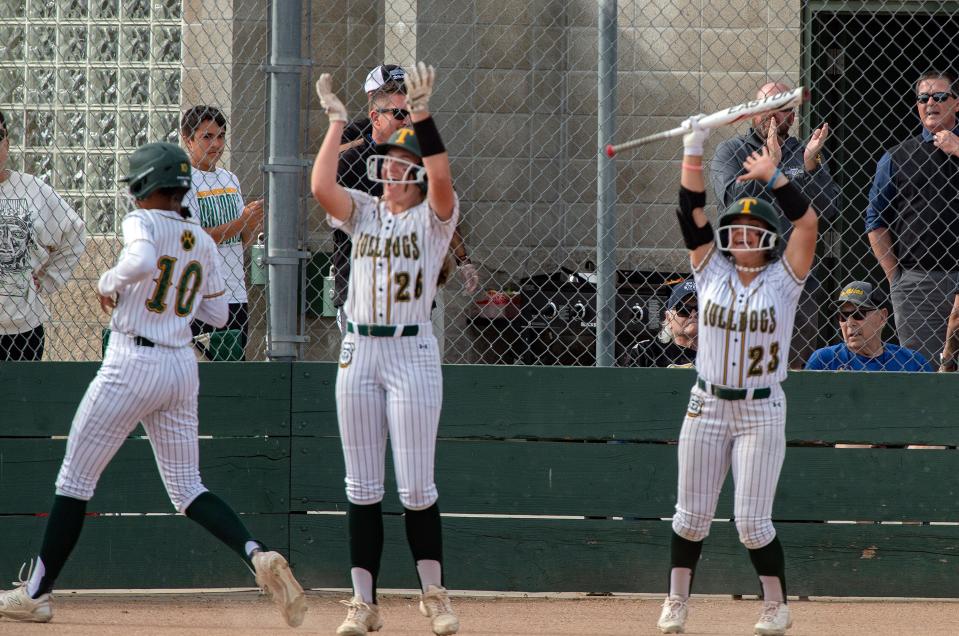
222,522
63,530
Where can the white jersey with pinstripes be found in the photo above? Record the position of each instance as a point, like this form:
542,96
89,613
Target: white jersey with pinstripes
396,260
745,331
162,307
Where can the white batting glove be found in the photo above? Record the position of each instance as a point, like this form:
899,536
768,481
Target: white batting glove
694,139
330,102
470,277
419,87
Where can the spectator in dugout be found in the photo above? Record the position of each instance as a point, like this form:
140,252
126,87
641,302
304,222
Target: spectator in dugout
675,345
862,316
912,220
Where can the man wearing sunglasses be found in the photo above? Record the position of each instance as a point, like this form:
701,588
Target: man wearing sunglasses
676,343
913,217
861,317
804,166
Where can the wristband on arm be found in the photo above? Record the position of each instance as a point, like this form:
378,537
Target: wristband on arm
693,235
429,137
791,201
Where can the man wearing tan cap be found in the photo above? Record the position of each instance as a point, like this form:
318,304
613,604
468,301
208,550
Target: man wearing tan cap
862,315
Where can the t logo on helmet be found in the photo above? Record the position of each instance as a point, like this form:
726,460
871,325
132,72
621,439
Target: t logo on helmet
402,134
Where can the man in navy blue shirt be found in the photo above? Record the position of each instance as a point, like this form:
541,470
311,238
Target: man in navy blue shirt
861,320
913,217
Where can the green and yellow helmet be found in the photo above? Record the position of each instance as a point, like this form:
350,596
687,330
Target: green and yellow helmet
757,208
157,165
404,139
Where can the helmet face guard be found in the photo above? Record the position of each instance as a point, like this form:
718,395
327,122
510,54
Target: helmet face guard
414,174
725,234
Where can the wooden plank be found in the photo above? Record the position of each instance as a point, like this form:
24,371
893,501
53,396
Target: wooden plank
236,398
518,402
40,399
252,474
639,481
245,398
506,402
313,402
163,551
876,408
560,555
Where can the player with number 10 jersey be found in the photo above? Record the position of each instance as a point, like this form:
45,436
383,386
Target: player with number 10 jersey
188,269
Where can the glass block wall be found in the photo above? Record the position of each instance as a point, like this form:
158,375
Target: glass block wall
83,83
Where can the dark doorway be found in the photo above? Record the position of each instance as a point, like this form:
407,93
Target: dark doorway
862,66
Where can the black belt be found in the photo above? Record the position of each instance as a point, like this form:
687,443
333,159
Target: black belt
383,331
143,342
725,393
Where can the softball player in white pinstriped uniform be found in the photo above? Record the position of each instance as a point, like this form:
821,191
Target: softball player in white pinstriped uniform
390,381
748,293
167,275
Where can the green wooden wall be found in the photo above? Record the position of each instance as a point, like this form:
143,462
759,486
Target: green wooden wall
551,479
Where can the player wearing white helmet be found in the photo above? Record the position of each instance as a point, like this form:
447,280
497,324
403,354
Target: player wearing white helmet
167,275
390,381
748,290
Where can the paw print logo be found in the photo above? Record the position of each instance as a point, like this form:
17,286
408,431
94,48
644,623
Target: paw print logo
187,240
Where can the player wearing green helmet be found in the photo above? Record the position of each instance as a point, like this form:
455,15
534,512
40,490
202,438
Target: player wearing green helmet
737,408
389,381
743,216
167,275
157,165
402,149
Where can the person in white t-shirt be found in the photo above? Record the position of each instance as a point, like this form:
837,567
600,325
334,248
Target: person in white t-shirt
41,240
216,201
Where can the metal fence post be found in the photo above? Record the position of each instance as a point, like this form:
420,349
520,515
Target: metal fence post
285,170
606,189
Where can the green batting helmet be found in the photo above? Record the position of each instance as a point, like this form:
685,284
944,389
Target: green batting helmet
157,165
756,208
404,139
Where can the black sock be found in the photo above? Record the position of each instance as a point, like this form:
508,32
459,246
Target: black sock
63,529
770,560
424,533
683,553
222,522
366,538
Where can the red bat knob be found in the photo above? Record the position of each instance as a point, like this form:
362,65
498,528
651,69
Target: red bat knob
609,151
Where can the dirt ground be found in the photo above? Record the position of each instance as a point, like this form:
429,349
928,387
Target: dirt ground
246,613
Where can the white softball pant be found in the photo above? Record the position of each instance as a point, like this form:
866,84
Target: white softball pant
750,436
390,387
154,385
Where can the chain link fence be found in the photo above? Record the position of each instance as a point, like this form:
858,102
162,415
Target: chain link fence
83,82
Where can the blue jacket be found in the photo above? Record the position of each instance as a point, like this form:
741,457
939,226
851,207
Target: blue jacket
893,358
